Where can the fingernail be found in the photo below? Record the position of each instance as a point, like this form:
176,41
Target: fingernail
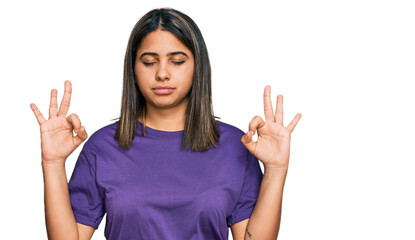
252,133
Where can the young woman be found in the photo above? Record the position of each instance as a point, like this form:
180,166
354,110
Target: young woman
167,169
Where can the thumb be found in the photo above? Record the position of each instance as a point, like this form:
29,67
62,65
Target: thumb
247,141
80,136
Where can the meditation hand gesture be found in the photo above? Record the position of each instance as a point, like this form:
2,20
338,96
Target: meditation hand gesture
273,145
57,140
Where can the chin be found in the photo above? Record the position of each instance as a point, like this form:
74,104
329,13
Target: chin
164,105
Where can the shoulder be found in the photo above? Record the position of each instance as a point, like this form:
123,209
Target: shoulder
229,130
103,138
230,135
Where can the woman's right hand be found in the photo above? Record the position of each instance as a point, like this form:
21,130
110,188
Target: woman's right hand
56,133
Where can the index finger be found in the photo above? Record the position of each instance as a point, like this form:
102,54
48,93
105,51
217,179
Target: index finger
38,114
269,114
66,100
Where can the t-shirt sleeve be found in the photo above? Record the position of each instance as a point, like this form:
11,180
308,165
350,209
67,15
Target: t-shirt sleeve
250,190
86,201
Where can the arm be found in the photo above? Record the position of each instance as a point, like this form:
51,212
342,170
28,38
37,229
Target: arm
57,143
273,149
60,220
266,216
264,222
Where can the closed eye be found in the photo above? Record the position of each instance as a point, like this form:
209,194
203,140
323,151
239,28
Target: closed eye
151,63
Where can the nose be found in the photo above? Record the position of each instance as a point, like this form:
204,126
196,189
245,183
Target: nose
162,72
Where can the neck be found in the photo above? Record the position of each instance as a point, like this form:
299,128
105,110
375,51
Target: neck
170,119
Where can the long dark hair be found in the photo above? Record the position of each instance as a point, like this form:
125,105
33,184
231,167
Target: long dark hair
200,130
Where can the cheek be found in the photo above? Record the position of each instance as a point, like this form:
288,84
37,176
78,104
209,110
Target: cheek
188,75
140,77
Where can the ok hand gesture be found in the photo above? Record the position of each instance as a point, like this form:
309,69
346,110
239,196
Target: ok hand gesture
57,140
273,145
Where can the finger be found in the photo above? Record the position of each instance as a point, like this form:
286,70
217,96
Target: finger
294,122
66,100
80,131
278,110
256,122
247,141
38,114
74,121
80,137
53,106
269,114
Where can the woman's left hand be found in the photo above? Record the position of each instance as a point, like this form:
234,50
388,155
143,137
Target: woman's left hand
273,145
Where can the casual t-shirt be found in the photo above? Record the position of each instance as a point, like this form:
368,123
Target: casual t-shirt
154,190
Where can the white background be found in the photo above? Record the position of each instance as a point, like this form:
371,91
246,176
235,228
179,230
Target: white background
346,66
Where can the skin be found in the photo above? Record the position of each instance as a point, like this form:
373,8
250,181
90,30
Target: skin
165,112
57,143
273,149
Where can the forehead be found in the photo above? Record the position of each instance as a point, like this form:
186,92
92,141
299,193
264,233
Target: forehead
162,42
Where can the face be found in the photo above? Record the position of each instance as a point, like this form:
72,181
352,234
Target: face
164,70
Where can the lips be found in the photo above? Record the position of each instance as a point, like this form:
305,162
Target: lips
163,90
163,87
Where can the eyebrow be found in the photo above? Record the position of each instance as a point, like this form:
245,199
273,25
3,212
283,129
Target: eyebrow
169,54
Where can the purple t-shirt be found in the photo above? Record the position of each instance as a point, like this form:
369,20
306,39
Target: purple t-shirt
154,190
